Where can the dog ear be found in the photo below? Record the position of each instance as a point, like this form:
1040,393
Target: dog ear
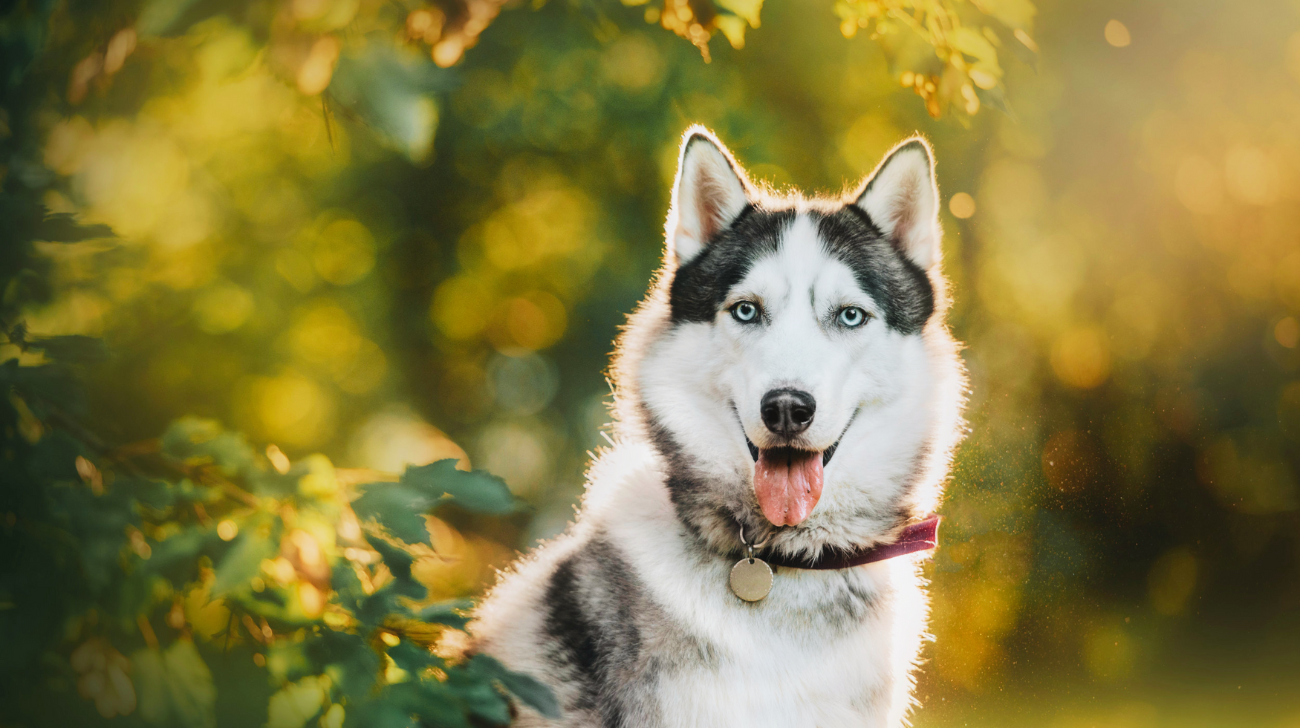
901,198
710,192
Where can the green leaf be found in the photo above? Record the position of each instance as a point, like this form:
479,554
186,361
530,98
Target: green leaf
529,690
175,688
432,701
377,714
390,89
152,493
98,523
477,693
38,575
346,584
181,548
173,17
400,507
413,658
53,384
54,458
297,703
62,227
477,491
397,507
349,662
287,661
376,608
158,16
996,98
388,600
193,438
397,559
241,563
72,349
448,613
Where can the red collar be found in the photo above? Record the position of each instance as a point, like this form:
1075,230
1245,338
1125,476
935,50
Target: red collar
920,536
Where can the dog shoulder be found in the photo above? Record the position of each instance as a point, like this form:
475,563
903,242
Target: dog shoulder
574,613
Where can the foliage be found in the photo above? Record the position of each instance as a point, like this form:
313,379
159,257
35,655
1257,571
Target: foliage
946,50
153,561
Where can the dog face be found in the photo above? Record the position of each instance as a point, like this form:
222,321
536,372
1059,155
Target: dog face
792,366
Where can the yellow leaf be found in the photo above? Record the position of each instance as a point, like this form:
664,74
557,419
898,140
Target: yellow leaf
732,27
1013,13
983,77
333,717
747,9
973,43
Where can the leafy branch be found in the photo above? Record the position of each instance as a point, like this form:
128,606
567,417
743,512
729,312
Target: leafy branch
207,546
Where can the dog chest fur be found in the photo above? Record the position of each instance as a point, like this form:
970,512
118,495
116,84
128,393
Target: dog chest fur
634,627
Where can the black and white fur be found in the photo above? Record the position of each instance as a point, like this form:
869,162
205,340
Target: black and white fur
628,615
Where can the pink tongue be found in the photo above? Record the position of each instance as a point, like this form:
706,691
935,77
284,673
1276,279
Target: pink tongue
788,483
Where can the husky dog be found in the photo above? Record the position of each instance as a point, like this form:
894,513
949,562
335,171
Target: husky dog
787,391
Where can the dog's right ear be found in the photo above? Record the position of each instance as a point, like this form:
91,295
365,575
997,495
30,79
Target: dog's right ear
710,192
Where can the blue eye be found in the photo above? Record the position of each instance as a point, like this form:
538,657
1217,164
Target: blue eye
852,317
745,312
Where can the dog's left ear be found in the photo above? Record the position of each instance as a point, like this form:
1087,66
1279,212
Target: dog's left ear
903,201
709,195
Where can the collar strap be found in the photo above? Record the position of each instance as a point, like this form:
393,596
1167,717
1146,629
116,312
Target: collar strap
920,536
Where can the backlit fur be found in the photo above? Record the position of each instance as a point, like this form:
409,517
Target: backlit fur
628,615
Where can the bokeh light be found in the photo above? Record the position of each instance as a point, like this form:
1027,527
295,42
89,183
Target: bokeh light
436,267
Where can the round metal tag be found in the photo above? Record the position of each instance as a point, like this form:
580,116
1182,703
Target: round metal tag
751,579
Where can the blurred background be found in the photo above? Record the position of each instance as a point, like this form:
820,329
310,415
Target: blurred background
396,232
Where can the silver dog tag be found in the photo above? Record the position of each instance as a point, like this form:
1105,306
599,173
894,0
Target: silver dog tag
751,579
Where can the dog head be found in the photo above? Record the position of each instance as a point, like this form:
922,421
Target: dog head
791,363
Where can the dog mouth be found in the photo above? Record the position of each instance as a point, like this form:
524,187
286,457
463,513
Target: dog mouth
788,480
788,483
827,454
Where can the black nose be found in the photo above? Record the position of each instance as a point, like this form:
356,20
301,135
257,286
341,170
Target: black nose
787,412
